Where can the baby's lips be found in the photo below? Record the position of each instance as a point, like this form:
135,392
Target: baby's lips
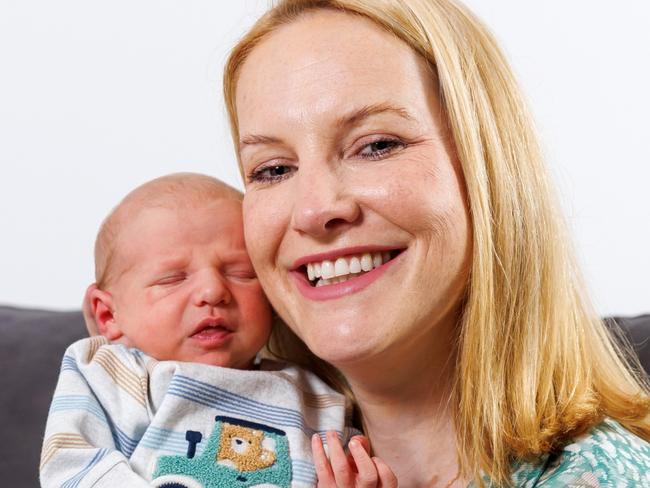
211,323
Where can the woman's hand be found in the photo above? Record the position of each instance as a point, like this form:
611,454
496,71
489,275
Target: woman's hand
356,470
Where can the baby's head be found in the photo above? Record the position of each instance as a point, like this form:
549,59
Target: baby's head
173,277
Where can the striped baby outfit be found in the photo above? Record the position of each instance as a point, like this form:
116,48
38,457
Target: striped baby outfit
121,419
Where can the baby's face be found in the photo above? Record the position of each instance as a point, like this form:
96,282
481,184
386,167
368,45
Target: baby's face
188,291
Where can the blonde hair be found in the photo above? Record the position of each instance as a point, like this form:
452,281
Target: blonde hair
558,372
171,190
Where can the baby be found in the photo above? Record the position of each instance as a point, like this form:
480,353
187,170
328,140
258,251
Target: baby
170,394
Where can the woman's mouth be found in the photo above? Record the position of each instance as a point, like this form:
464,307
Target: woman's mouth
344,268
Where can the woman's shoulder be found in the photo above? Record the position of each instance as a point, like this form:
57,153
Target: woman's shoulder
606,455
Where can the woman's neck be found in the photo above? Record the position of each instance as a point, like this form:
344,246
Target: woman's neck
404,397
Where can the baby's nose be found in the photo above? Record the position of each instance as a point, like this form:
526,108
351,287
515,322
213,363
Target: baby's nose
212,289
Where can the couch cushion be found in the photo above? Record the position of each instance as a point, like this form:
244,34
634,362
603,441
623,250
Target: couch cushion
31,347
637,331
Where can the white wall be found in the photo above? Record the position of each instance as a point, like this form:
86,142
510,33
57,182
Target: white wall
98,97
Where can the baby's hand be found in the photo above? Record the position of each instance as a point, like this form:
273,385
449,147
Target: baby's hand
358,470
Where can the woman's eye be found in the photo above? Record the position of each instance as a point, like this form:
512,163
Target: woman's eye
380,148
272,173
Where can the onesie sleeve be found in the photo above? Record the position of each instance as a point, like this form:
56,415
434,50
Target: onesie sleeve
99,408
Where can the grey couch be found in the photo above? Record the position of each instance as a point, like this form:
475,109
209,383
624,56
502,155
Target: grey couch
32,343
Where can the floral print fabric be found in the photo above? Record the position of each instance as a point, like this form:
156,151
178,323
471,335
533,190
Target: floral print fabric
607,456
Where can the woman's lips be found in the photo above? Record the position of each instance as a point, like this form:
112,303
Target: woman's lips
353,282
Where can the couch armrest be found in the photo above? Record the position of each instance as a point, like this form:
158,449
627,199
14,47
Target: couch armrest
32,343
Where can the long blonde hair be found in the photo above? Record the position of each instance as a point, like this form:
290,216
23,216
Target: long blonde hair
536,366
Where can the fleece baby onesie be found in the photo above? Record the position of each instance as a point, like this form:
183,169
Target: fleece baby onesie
119,418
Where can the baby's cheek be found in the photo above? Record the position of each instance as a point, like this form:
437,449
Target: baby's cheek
155,294
254,305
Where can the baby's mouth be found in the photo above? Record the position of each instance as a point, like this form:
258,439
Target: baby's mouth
210,332
210,327
344,268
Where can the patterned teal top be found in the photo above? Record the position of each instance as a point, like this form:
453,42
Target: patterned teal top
607,456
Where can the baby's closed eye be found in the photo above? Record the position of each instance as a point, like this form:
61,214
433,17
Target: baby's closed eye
240,273
170,279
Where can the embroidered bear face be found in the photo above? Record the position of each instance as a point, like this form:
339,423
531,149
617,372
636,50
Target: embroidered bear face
245,449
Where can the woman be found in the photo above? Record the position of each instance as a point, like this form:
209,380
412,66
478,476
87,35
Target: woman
400,219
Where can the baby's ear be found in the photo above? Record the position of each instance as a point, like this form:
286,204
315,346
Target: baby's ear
101,319
89,312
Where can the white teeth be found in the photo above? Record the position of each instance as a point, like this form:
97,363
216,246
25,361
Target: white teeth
327,269
355,265
332,281
341,267
344,268
366,262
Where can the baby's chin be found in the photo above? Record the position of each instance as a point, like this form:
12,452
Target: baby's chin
221,356
219,359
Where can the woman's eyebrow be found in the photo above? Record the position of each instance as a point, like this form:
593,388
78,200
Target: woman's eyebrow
253,139
358,115
353,118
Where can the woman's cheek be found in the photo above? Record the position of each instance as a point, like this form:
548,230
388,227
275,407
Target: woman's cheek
262,236
254,228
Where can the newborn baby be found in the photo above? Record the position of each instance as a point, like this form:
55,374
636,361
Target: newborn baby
168,392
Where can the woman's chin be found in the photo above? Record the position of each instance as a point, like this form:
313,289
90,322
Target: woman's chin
344,352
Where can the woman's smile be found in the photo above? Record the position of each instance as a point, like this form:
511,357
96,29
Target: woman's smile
332,275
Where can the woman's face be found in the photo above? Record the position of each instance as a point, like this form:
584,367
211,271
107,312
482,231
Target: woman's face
349,168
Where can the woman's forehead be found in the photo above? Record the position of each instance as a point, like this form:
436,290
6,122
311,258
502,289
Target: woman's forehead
325,63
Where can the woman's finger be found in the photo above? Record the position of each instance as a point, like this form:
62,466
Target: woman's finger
343,474
363,440
367,476
365,443
387,478
321,463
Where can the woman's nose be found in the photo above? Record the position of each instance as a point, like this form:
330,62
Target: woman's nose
322,203
211,289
